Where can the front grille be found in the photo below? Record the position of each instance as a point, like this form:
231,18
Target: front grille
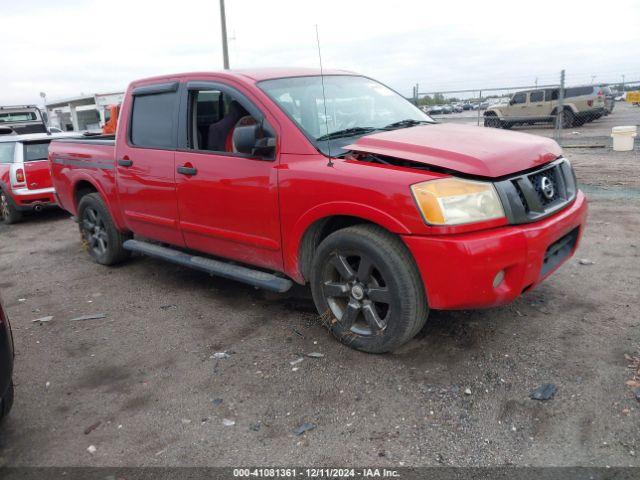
537,179
534,195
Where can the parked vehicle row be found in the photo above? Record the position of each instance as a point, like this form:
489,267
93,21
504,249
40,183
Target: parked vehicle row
276,177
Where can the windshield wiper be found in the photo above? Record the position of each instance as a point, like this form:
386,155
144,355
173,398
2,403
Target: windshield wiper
347,132
409,122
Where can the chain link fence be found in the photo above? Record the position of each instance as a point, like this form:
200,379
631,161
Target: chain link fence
580,114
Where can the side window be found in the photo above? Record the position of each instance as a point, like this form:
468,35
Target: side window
536,96
213,117
519,98
7,150
36,151
550,95
152,120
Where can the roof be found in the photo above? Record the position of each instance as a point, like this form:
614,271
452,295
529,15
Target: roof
253,75
36,136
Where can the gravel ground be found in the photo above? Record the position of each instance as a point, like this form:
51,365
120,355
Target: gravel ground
144,387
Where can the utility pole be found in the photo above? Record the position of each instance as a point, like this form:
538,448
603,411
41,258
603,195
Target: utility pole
623,82
593,77
225,49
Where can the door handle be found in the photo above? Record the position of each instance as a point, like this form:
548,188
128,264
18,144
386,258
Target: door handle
190,171
125,162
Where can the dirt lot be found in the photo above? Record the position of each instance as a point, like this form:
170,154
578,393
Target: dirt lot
146,371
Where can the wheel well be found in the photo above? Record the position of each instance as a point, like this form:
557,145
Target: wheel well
490,113
81,189
318,231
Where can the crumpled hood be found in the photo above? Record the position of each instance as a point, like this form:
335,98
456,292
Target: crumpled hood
486,152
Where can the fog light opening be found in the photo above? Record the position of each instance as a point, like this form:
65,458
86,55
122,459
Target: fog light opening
497,280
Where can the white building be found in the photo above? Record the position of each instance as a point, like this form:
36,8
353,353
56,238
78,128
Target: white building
86,112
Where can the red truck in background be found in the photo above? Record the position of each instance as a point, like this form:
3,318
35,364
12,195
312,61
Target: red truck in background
281,176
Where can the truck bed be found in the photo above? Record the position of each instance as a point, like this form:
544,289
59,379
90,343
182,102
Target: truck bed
90,139
89,158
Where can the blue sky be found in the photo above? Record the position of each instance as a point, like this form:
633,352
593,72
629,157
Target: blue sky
68,47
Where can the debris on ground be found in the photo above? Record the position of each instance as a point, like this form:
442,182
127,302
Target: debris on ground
305,427
586,261
255,426
22,300
227,422
467,391
219,355
92,427
96,316
296,361
169,306
297,332
315,355
216,401
546,391
92,449
637,394
43,319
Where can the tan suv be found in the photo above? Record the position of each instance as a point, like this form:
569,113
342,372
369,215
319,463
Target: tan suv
581,104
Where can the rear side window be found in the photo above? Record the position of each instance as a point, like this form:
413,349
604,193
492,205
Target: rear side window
6,152
536,96
578,91
152,121
36,151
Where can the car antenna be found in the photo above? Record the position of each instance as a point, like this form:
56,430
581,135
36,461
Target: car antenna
324,99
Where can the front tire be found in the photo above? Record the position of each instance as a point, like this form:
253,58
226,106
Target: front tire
492,121
9,214
568,118
103,239
367,289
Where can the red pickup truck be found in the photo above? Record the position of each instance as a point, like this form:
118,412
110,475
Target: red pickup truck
277,176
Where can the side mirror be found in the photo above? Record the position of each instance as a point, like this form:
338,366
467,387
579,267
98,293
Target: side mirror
251,140
512,102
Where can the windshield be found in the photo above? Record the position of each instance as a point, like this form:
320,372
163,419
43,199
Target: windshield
354,106
18,117
6,152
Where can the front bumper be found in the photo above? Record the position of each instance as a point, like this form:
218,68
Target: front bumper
458,271
25,199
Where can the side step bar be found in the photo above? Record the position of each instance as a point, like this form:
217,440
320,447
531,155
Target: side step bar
257,278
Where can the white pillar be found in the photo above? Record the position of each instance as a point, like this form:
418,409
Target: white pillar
74,117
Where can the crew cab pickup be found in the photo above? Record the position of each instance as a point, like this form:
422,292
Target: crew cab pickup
272,177
25,177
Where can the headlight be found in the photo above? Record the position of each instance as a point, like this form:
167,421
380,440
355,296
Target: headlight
454,201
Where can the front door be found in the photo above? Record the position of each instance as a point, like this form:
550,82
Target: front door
145,164
227,201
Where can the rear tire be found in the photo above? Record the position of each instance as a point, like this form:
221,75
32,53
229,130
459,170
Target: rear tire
6,402
103,239
9,214
367,289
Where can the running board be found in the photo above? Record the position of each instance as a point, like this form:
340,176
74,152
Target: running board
257,278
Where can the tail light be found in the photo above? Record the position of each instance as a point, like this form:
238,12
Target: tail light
20,175
600,93
590,103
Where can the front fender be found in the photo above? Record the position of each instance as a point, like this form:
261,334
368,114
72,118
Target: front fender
332,209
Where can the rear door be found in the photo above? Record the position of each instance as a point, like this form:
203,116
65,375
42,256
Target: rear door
36,164
537,106
145,163
228,202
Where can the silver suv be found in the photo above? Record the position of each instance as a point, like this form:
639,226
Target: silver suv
581,104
